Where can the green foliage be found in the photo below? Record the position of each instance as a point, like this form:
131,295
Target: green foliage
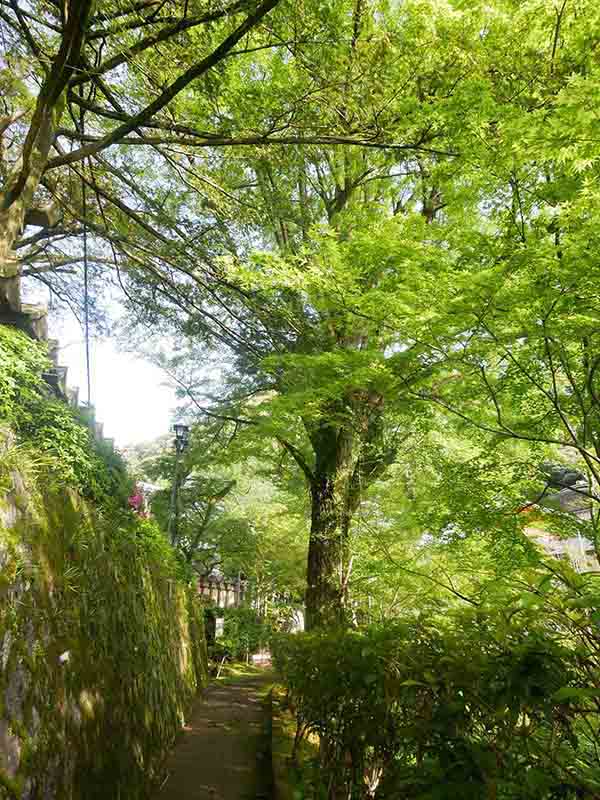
362,295
51,428
232,515
244,633
21,376
102,589
415,329
497,700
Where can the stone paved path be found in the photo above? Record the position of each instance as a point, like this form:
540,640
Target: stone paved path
224,752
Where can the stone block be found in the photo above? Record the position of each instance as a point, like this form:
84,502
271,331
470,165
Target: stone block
31,319
62,379
73,396
52,380
38,320
53,348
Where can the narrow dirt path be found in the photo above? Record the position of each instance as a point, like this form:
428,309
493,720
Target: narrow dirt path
224,752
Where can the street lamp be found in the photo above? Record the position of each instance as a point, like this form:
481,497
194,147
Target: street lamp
181,441
182,437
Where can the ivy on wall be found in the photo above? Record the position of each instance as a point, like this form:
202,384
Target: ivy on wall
102,651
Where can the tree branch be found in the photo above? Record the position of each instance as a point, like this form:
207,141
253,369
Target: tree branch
154,39
171,91
40,129
298,458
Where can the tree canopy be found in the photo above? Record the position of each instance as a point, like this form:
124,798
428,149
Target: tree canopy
360,239
365,228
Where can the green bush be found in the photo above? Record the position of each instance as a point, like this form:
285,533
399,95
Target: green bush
51,428
474,704
244,633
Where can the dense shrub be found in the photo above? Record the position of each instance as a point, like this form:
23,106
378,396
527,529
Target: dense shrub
478,703
102,649
52,428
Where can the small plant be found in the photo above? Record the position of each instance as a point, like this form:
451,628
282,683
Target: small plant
59,435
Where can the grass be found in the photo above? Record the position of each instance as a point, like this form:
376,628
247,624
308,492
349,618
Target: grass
293,780
233,672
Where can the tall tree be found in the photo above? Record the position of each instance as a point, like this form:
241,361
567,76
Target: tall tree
316,365
106,109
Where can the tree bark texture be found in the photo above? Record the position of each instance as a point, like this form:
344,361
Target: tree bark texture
17,195
348,457
327,557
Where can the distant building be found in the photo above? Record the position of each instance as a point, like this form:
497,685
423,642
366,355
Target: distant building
572,498
576,549
221,592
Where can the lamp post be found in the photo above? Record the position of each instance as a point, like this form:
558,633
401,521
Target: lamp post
181,441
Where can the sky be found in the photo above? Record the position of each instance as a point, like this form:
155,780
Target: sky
130,395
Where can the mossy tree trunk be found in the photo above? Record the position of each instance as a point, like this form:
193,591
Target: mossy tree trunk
17,195
348,457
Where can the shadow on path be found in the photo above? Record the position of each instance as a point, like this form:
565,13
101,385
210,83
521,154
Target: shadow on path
224,753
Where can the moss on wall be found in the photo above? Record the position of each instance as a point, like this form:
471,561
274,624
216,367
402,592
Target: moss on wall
101,645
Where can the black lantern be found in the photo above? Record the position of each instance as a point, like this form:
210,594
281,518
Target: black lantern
182,437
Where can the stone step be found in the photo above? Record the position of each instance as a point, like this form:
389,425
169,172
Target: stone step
53,348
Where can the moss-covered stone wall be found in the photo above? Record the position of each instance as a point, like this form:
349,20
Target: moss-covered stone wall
101,644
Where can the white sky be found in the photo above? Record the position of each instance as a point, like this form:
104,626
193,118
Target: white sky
129,393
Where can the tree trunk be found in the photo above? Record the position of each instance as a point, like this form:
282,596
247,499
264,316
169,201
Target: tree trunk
327,557
348,457
17,196
333,501
11,224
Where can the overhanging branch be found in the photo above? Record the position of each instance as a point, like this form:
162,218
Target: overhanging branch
171,91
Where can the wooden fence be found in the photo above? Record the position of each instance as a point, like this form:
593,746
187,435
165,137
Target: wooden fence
224,594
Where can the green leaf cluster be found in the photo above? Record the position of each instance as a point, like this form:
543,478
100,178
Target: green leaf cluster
497,699
52,430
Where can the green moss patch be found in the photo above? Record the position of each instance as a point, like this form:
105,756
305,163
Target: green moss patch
102,648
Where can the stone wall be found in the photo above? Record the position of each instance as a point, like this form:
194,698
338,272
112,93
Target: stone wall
101,646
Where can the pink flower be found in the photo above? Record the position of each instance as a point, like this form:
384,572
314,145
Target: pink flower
136,501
